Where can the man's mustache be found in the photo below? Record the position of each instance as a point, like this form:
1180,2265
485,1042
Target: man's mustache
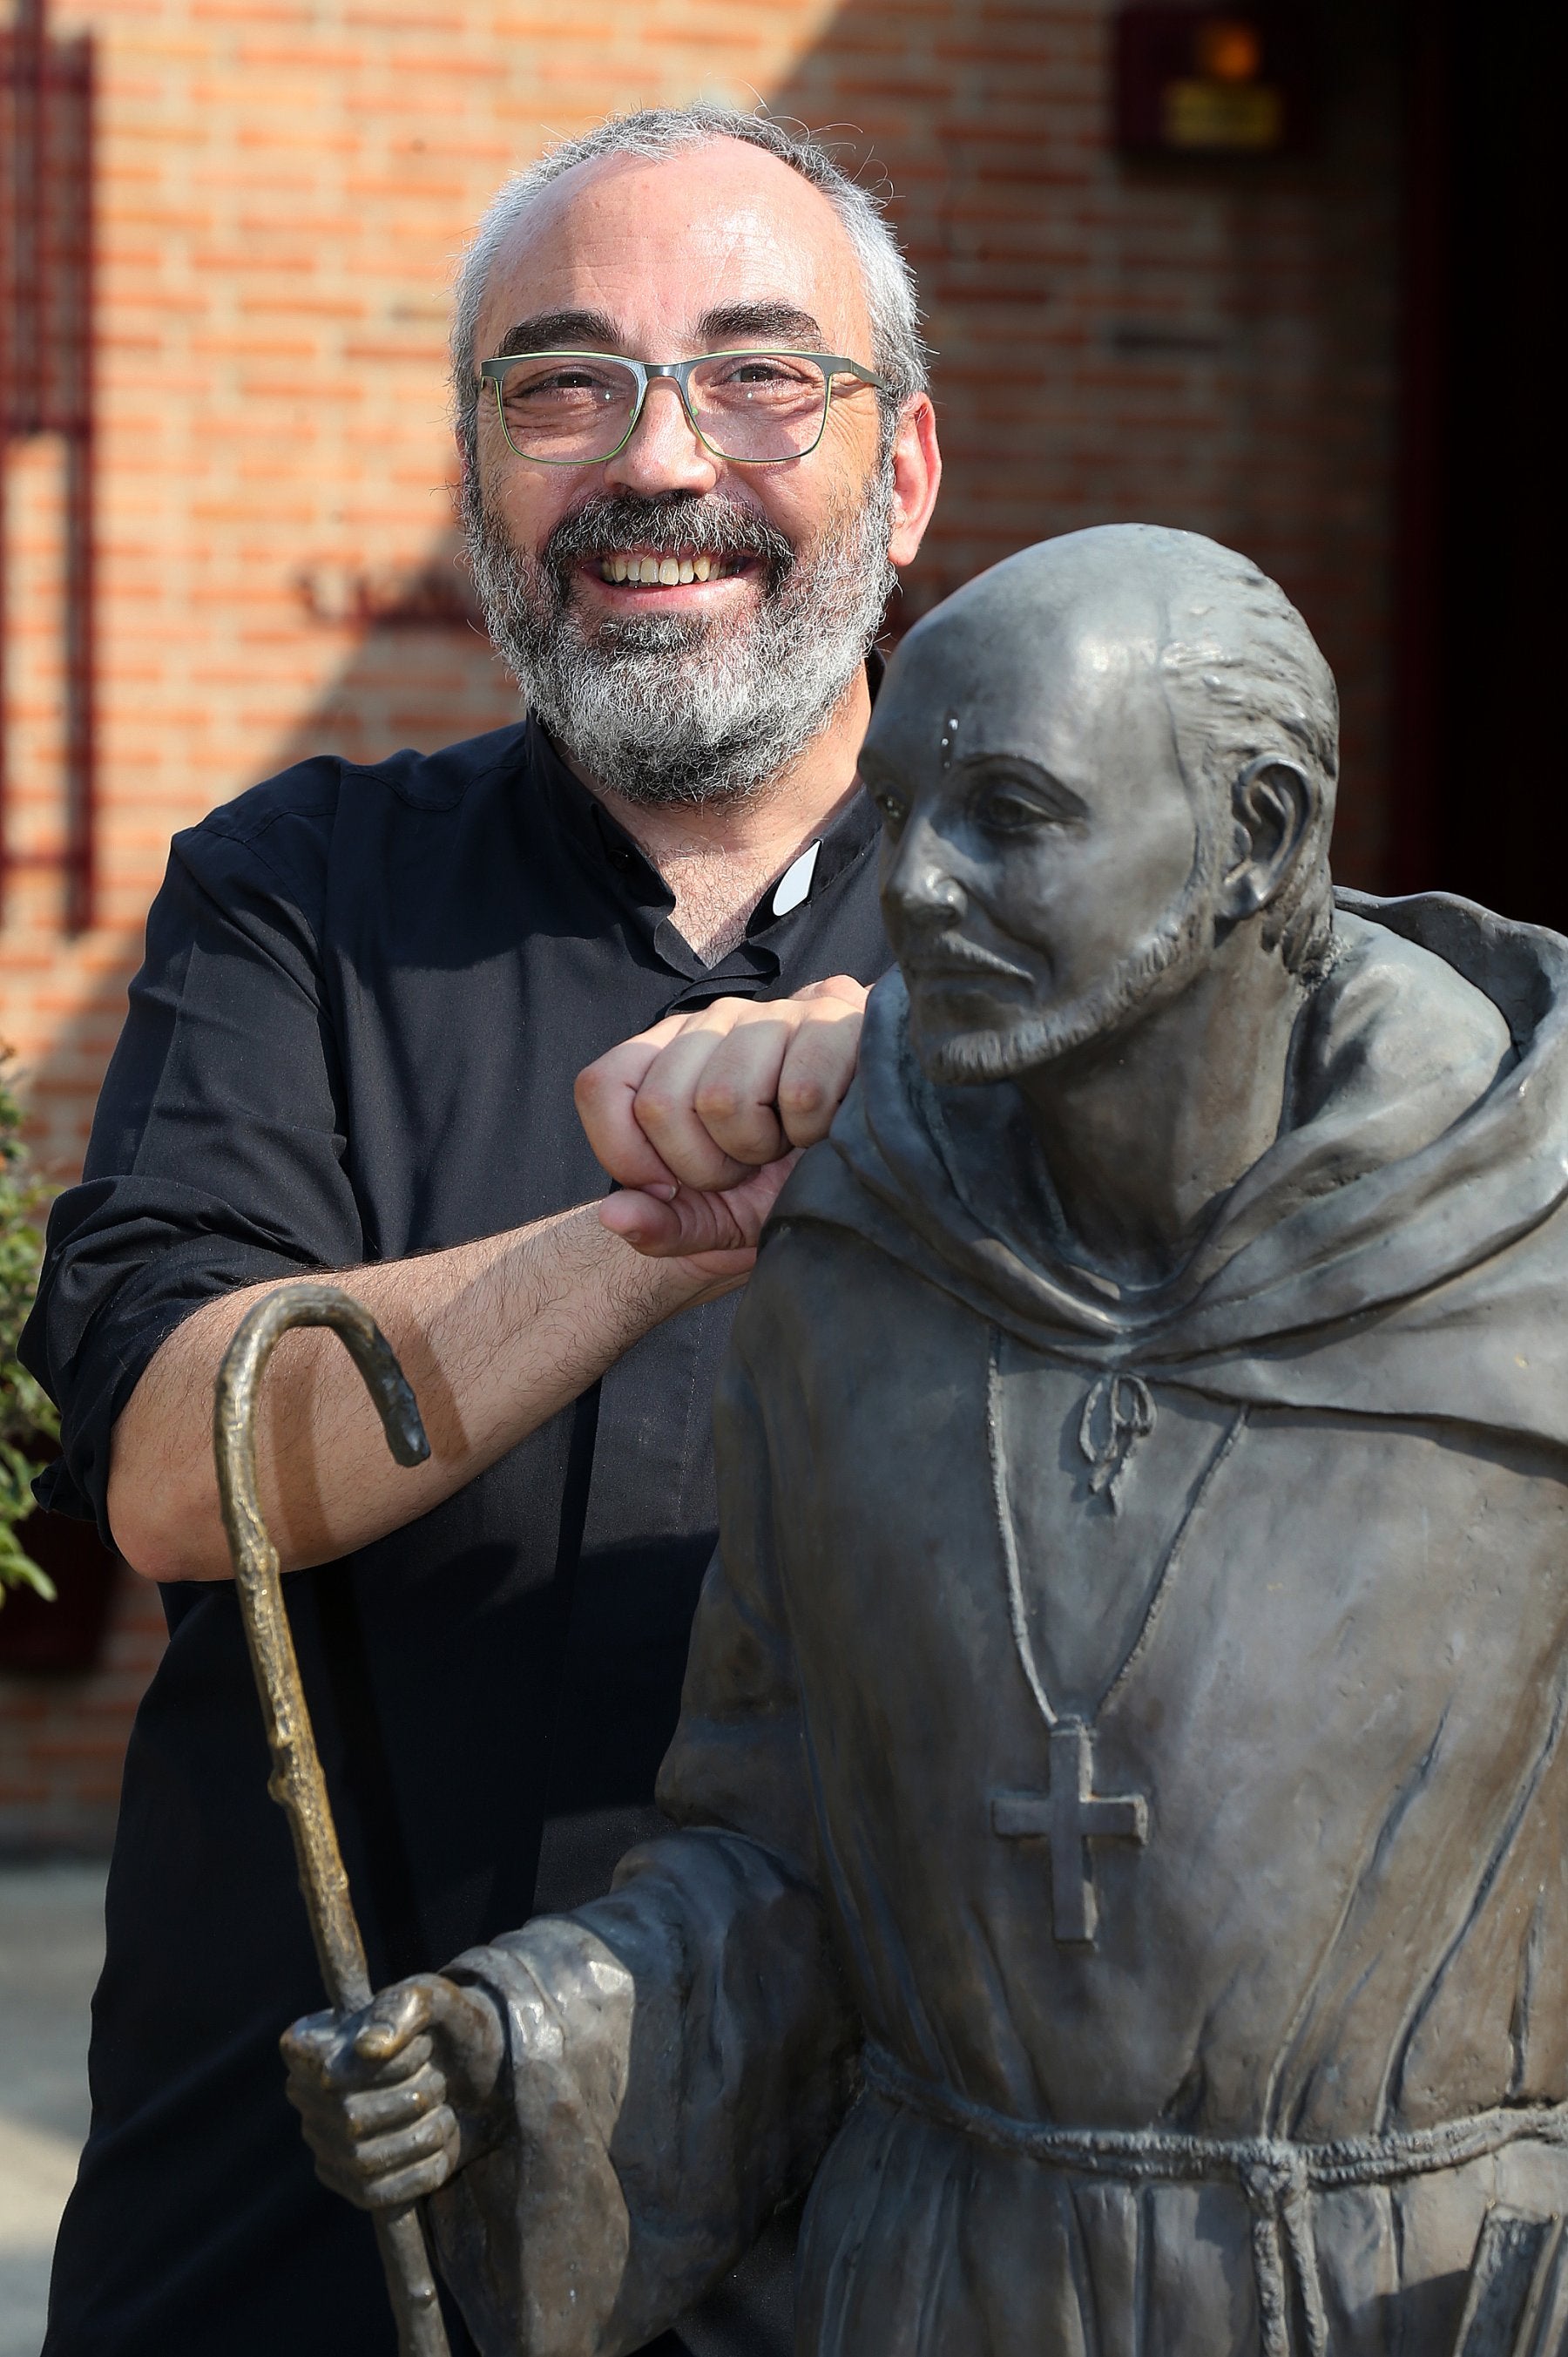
676,525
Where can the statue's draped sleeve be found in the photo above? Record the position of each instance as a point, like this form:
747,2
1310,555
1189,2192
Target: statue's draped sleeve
681,2050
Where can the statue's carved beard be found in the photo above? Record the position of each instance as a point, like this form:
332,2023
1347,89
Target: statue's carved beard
680,708
1180,944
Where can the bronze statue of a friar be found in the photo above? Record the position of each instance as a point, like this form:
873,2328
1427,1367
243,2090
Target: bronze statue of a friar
1118,1806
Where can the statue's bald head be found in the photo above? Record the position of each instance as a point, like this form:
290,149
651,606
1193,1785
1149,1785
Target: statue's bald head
1151,680
1239,672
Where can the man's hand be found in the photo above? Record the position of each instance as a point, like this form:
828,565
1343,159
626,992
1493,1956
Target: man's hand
396,2099
701,1120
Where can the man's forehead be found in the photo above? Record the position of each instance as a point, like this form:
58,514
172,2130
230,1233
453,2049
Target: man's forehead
665,248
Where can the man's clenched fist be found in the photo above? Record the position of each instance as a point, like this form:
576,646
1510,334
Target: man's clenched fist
701,1119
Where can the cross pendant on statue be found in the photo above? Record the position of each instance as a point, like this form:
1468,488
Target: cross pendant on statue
1069,1816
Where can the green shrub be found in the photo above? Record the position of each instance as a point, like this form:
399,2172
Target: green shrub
26,1414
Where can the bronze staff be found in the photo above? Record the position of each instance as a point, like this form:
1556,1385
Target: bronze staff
297,1782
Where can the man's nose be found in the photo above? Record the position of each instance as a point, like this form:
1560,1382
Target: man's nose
665,452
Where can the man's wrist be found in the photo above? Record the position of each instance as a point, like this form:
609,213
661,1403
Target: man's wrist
654,1287
587,1264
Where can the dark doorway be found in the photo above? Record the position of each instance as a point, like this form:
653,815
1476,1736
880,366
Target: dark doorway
1483,779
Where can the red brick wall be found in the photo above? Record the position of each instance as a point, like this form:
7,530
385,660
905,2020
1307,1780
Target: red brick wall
284,184
62,1738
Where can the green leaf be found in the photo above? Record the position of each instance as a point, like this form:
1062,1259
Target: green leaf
27,1414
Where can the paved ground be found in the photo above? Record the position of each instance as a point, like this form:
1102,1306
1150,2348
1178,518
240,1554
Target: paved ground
51,1946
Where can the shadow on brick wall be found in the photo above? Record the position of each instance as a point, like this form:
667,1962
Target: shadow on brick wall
418,669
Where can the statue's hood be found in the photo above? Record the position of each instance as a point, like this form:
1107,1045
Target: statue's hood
1402,1251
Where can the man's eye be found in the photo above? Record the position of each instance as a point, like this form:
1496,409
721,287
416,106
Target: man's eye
765,369
558,388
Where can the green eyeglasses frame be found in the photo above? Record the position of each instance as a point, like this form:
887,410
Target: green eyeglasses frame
832,364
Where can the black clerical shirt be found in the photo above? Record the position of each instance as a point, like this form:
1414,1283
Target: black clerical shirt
367,994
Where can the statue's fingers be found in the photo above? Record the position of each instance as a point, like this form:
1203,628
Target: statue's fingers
310,2045
392,2020
403,2166
338,2126
350,2115
415,2183
383,2111
327,2072
357,2070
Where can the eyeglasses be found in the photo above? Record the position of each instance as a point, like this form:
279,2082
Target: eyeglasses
755,409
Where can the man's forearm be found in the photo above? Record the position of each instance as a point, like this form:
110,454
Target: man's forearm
494,1337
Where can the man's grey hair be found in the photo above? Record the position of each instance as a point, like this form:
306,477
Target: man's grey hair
898,350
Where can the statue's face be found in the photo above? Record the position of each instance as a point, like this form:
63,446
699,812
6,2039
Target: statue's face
1045,878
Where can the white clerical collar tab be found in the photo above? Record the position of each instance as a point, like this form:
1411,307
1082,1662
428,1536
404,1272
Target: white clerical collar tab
796,881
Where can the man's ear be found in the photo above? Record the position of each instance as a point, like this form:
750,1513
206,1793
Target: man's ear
916,476
1273,804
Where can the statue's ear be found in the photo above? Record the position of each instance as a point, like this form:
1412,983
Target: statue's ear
1273,804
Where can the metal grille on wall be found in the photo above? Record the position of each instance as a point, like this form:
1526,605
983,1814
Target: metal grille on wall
45,381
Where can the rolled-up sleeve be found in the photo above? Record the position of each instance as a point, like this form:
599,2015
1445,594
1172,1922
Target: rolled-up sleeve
216,1153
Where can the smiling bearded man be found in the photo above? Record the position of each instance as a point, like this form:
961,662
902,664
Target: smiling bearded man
695,441
1120,1766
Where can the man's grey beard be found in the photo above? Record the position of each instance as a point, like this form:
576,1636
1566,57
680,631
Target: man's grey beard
1180,941
669,709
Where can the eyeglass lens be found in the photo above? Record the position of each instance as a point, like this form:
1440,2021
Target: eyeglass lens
749,406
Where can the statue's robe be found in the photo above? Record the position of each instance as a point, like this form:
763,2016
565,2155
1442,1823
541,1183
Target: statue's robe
1245,2070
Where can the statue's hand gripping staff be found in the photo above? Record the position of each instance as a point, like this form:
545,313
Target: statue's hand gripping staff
297,1782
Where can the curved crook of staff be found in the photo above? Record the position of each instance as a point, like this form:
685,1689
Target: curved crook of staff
297,1781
